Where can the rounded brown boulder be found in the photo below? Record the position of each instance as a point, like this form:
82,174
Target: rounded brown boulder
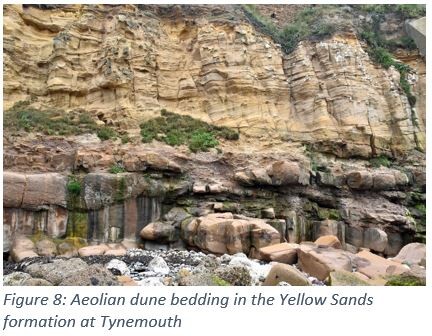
46,248
330,241
285,273
160,231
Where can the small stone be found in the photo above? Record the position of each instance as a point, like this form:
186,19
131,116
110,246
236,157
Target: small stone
159,266
235,275
153,281
15,278
92,250
283,283
117,267
125,280
46,248
67,250
225,258
199,188
268,213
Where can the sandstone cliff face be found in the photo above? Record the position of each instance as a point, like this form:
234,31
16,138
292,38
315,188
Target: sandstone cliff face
123,65
309,121
338,94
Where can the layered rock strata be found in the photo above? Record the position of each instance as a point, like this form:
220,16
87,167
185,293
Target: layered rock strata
123,64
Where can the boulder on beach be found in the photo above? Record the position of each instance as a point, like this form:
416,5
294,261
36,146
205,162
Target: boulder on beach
285,273
283,253
319,261
225,233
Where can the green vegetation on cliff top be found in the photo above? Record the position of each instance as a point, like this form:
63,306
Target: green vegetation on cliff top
407,11
22,116
380,50
322,21
308,23
175,130
317,22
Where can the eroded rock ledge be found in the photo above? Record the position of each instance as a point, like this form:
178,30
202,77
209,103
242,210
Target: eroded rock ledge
171,191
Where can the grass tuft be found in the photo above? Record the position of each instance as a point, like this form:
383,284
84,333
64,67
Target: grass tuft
116,169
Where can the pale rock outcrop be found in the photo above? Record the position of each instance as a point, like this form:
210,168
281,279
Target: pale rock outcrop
361,212
14,185
34,190
223,233
278,173
381,179
143,160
